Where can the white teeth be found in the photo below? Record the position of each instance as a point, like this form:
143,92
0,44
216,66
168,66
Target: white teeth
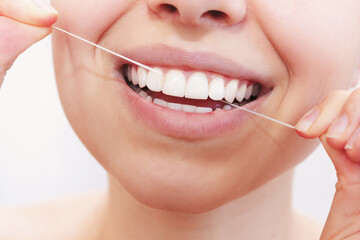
203,110
249,92
154,80
175,106
227,107
134,76
142,75
174,83
231,89
160,102
189,108
182,107
143,94
240,94
128,70
197,86
217,89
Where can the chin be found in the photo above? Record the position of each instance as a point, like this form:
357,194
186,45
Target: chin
179,199
184,204
192,189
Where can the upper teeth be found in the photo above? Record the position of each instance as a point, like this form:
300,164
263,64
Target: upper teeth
174,83
197,86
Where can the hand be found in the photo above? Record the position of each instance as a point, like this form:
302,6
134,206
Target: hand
22,23
336,121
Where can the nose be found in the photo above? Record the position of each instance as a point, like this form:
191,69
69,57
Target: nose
196,12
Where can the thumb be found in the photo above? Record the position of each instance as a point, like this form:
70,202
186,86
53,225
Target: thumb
32,12
15,38
343,221
22,23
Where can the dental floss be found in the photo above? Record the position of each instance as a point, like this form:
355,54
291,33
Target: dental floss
107,50
151,69
260,115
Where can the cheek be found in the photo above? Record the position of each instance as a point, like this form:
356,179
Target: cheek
90,18
79,88
317,43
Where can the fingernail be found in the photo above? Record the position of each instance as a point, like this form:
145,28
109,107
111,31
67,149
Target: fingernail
307,121
44,6
339,127
350,144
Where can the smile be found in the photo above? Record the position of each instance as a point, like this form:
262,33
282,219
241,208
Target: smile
182,99
189,91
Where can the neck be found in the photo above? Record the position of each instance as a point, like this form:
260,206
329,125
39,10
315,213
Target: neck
265,213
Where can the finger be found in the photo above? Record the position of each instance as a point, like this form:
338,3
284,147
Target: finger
344,217
15,37
346,124
317,121
353,146
342,222
348,171
33,12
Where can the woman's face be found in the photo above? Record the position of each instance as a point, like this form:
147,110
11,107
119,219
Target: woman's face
297,51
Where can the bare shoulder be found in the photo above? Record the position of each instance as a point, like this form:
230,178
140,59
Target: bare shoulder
57,219
306,228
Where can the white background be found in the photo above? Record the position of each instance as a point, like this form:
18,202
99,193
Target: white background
41,158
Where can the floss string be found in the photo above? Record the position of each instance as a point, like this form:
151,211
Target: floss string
151,69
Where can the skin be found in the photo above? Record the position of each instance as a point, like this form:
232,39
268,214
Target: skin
295,42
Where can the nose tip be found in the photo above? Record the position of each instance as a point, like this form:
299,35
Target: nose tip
195,12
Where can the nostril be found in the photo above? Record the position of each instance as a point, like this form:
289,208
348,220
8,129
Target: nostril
199,12
215,14
168,8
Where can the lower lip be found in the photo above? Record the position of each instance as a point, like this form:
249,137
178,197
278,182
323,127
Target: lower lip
186,125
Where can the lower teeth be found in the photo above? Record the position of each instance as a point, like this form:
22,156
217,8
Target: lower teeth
181,107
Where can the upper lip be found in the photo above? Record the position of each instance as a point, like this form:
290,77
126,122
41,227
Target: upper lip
166,56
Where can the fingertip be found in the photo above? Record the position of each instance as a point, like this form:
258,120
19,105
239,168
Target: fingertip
306,122
352,147
37,13
48,21
353,154
335,142
44,17
304,134
44,6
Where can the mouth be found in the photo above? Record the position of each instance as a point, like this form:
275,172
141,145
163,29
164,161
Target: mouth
183,100
190,91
